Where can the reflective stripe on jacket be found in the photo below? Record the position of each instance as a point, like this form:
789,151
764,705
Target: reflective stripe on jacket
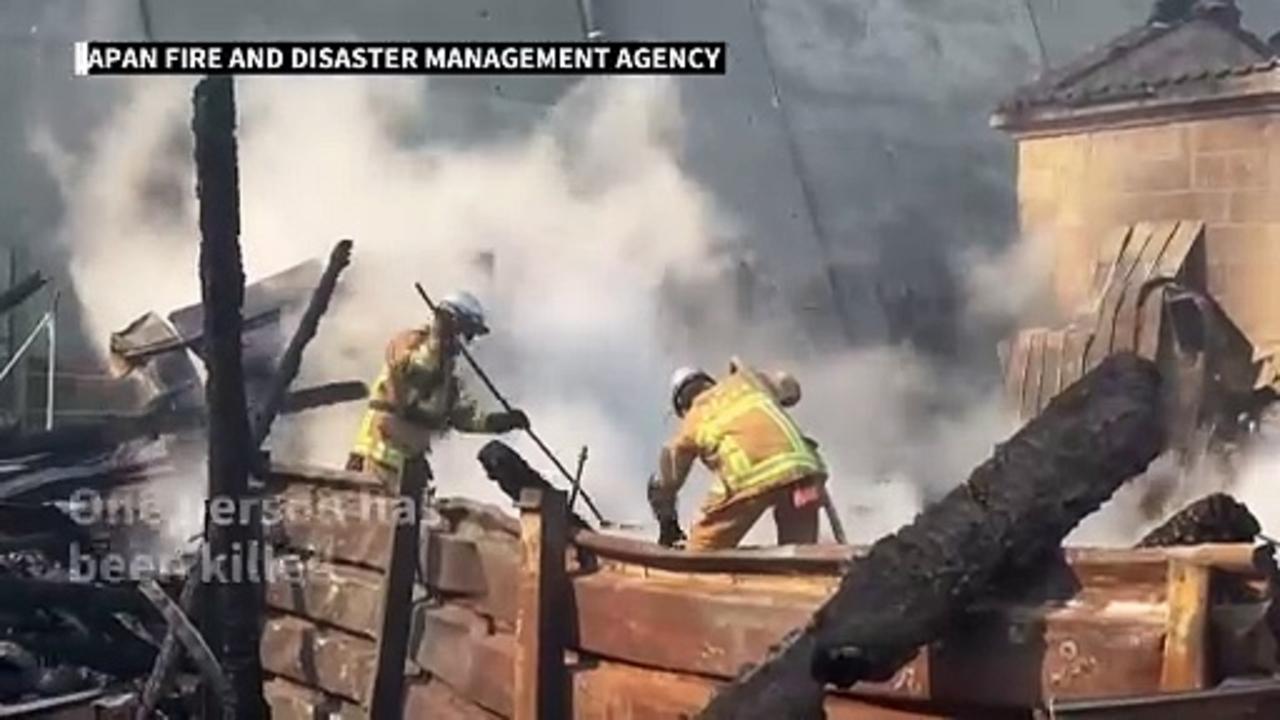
744,435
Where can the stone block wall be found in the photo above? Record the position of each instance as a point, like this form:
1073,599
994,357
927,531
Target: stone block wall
1072,188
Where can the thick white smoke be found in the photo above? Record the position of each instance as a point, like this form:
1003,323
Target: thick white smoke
586,219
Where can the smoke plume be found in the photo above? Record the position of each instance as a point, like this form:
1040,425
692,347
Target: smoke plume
577,236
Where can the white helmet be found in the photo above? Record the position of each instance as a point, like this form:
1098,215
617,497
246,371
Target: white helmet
467,309
681,378
788,388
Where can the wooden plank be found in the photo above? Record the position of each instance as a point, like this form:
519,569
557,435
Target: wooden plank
1189,233
1031,403
482,573
386,696
342,525
1104,320
1109,253
540,680
1075,344
1015,376
831,560
1170,266
434,699
1125,330
343,596
285,474
477,668
290,701
454,645
605,691
1051,381
1186,650
340,663
1013,662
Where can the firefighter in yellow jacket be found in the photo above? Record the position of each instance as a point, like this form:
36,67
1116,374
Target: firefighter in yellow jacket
418,398
740,429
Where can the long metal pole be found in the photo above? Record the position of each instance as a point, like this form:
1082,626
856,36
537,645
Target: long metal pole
22,349
508,407
52,363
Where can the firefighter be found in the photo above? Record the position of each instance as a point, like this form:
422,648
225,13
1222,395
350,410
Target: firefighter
740,429
417,397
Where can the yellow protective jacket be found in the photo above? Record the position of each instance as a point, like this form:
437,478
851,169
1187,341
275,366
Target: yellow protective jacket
415,398
742,434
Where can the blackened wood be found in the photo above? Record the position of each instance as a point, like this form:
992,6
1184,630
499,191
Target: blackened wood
111,431
232,609
291,361
319,396
1015,507
387,695
1216,518
180,626
512,473
18,294
166,664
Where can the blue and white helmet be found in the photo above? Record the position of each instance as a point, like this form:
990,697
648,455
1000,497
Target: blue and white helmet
467,309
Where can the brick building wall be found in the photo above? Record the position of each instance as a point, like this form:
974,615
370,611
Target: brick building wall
1073,187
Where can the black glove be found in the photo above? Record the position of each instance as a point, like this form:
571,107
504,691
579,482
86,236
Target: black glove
663,505
669,533
508,421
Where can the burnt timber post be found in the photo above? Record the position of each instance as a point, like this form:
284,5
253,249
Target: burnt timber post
541,683
387,696
232,612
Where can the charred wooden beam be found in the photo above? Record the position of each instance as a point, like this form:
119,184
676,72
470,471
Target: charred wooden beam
319,396
111,431
1015,507
232,609
18,294
166,664
513,475
181,627
1217,518
291,361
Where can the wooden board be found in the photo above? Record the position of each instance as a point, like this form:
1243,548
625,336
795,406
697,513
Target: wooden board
455,646
475,667
1051,378
1170,266
432,698
290,701
321,658
1015,373
1075,344
342,596
1104,326
1109,252
335,524
1035,371
1126,328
